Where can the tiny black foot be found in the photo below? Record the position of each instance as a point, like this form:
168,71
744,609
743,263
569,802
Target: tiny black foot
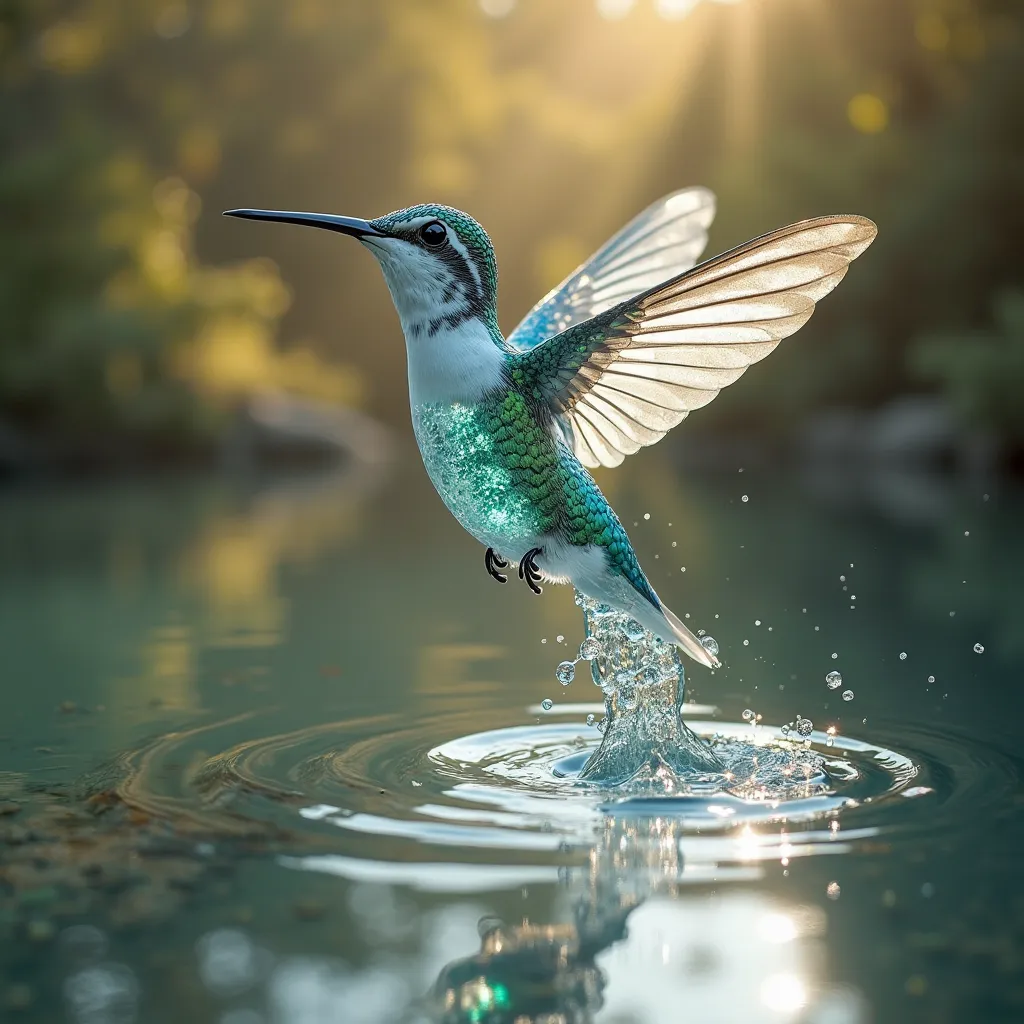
528,569
494,562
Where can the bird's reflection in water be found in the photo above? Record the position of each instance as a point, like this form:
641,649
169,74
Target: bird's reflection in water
647,939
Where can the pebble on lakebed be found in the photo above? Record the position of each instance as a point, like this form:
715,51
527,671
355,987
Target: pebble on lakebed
65,854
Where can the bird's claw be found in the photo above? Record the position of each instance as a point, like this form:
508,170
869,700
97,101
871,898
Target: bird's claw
528,569
493,561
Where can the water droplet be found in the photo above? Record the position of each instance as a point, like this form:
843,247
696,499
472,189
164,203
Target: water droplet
547,704
545,640
847,694
829,741
746,497
565,673
682,568
701,632
748,715
967,533
757,622
647,515
834,654
833,891
590,648
591,720
978,649
842,579
560,639
903,655
931,679
675,544
834,680
785,730
746,643
804,726
710,644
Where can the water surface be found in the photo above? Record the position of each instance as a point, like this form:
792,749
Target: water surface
275,750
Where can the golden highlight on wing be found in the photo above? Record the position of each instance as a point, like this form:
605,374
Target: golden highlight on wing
660,242
672,349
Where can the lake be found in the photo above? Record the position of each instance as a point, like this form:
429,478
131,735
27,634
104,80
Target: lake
262,757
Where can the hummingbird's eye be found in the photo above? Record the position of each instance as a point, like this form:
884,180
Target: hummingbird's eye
433,234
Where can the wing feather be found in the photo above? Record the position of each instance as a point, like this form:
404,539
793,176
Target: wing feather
659,243
623,378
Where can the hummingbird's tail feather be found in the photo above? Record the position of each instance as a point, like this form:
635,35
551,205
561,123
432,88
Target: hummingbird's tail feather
689,643
589,572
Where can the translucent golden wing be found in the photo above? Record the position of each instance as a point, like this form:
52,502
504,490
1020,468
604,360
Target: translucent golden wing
623,379
661,242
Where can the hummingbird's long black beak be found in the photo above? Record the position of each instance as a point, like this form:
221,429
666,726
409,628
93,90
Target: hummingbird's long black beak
345,225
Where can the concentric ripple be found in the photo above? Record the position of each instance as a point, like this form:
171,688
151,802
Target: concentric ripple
438,792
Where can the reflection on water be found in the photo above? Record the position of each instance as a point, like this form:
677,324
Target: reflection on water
323,760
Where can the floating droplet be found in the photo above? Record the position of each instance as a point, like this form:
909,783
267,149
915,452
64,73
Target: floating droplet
979,649
547,704
748,715
560,638
647,515
746,643
591,720
675,544
834,654
832,890
565,673
710,644
785,729
931,679
590,648
903,655
757,622
834,680
746,497
842,579
804,726
847,694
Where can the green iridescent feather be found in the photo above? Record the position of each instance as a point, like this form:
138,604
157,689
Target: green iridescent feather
543,469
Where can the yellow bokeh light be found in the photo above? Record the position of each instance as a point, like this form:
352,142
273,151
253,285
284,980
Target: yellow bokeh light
931,31
868,113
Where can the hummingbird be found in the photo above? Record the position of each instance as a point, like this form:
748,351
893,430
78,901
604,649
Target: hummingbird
605,364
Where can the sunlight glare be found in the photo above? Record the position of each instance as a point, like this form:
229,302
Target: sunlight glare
784,992
497,8
614,10
777,928
674,10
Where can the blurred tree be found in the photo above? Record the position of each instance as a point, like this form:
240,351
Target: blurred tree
552,124
982,370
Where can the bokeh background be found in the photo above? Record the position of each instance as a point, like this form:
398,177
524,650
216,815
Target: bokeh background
137,326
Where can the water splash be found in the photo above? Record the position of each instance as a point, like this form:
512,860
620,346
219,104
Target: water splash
644,685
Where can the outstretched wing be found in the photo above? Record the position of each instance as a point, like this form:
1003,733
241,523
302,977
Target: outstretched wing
624,378
662,242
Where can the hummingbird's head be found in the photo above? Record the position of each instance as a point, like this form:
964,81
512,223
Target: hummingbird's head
438,262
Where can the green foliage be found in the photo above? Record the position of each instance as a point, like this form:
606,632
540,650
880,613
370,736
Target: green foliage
121,119
981,371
